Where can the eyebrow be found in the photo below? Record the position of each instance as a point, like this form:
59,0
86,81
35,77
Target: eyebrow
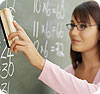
72,21
80,22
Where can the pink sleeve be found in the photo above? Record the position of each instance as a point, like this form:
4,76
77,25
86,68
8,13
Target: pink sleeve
69,69
64,82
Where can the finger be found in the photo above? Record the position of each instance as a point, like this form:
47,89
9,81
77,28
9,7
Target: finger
18,48
17,26
19,33
12,35
15,50
17,42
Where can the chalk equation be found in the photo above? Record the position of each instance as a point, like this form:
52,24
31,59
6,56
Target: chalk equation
49,29
44,7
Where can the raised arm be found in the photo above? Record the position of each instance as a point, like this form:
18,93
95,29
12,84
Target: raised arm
26,46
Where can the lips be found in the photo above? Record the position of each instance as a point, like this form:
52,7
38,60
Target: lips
74,40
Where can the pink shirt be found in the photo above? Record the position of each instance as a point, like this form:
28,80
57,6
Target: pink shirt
64,81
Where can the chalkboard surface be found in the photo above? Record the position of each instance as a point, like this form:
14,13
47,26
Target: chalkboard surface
44,22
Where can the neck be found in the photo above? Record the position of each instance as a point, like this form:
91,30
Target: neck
90,59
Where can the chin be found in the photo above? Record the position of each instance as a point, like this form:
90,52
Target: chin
77,49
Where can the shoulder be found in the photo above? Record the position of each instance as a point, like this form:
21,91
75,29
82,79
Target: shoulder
69,69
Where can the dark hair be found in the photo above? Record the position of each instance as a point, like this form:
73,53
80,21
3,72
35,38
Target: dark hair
82,12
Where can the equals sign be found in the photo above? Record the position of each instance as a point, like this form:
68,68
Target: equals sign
53,10
53,29
52,48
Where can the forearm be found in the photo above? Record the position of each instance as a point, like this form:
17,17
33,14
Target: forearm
38,62
35,58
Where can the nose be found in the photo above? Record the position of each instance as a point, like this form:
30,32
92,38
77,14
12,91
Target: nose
74,32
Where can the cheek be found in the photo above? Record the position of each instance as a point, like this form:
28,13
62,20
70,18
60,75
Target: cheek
91,39
88,42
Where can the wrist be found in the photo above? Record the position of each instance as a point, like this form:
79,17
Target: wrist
42,64
38,62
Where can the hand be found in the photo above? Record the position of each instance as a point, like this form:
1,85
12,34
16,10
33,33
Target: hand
26,46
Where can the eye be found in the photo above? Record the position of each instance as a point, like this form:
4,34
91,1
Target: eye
83,26
72,25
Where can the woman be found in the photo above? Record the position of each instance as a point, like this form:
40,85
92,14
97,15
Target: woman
83,76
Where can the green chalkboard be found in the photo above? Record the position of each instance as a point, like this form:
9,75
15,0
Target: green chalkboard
45,23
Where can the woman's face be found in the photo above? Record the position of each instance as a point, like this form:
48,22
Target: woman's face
85,40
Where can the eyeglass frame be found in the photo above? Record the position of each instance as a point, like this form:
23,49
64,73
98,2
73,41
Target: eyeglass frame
76,25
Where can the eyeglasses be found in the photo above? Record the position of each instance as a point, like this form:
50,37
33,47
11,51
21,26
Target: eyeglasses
80,26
